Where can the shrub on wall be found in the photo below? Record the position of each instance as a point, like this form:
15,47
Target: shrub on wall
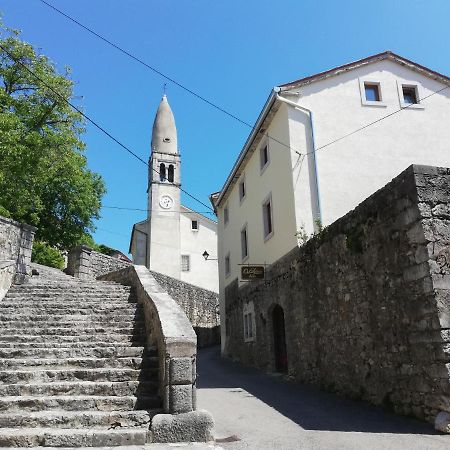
4,212
47,255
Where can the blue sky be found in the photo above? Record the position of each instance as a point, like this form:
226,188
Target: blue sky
231,52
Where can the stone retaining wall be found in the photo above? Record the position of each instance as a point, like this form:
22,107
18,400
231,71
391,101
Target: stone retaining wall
170,331
366,302
200,305
85,263
16,243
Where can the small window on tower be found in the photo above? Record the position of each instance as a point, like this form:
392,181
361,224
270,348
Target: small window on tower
170,173
166,139
162,172
194,225
185,263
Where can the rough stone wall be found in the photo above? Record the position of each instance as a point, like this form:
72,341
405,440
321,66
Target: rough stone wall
85,263
366,302
16,243
200,305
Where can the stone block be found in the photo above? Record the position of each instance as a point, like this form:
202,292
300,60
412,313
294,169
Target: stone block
195,426
442,422
180,371
180,398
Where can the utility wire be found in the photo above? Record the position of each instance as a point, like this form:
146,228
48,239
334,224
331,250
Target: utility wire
147,210
376,121
168,78
103,130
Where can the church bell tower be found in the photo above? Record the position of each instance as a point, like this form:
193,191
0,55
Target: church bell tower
164,180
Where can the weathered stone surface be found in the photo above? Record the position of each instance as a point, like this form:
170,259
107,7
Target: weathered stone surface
442,422
195,426
366,302
181,400
181,371
75,369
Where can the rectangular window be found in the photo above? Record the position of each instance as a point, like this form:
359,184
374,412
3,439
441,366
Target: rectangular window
227,265
194,225
244,242
264,156
245,326
225,215
372,92
248,326
242,190
409,95
185,263
267,218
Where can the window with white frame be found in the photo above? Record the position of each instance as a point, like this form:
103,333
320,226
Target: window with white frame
244,242
227,265
185,263
371,93
264,156
226,215
248,316
248,326
242,190
267,217
408,94
194,225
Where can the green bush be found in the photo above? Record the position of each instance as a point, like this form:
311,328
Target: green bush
46,255
4,212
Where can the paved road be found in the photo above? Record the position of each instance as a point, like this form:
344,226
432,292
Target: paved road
257,411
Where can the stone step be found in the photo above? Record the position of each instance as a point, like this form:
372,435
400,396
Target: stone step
47,344
79,331
100,337
78,403
72,437
55,375
69,309
111,316
121,388
81,363
72,352
77,419
77,285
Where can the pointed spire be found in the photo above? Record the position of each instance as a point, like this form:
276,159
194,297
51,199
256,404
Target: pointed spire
164,134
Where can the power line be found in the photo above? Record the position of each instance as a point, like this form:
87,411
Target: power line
168,78
147,210
103,130
376,121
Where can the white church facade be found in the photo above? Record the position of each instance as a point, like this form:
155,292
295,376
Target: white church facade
173,238
320,146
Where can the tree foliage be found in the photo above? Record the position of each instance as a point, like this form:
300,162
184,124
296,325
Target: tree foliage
44,179
47,255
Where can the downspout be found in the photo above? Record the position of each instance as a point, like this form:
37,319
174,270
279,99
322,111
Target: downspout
318,219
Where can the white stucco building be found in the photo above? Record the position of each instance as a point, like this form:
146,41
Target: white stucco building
320,146
173,238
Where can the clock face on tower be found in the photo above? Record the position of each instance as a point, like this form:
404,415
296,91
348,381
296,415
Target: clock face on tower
166,201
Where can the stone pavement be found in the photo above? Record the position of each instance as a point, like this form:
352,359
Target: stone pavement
257,411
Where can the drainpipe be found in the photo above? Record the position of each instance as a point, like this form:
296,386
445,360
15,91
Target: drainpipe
313,152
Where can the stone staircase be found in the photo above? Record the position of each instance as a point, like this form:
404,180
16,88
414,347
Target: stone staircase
74,367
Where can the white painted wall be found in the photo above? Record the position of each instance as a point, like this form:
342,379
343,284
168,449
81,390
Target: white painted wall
276,180
348,171
202,273
354,168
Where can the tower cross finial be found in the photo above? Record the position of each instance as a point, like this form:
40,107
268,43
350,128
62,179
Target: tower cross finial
164,88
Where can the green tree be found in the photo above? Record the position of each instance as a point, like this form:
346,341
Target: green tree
44,179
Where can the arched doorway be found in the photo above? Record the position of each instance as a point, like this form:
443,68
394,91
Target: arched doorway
279,340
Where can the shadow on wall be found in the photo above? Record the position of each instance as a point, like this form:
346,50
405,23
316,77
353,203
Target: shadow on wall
305,405
207,337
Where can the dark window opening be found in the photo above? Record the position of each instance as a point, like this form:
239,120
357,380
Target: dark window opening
372,92
264,154
171,173
194,225
409,95
267,215
162,172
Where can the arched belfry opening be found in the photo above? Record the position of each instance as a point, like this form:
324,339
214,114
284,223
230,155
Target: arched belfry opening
279,339
162,172
170,173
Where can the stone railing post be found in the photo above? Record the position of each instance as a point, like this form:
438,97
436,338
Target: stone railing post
79,262
23,269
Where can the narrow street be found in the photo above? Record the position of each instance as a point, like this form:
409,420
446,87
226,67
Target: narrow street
257,411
